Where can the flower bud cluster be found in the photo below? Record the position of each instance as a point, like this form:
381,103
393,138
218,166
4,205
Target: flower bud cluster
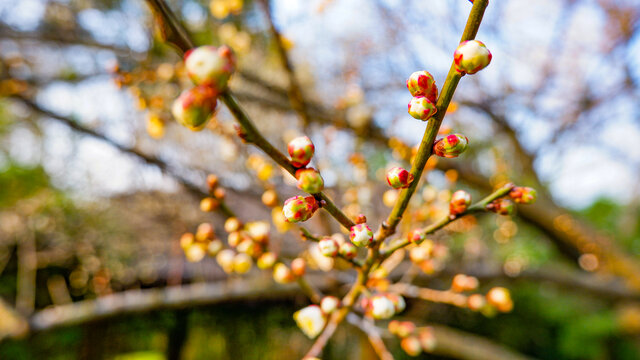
210,69
413,340
423,88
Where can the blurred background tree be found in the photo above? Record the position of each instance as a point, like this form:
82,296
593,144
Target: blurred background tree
98,182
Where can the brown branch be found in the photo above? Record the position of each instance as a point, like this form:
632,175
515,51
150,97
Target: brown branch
171,297
462,345
294,92
372,334
436,296
175,34
149,159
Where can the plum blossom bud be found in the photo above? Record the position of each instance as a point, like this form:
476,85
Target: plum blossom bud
211,66
501,207
427,339
329,304
205,232
361,235
299,208
241,263
232,224
523,195
212,182
419,254
405,328
301,151
328,247
208,204
451,146
195,252
298,267
421,108
310,320
399,178
258,231
476,302
348,250
194,107
460,201
270,198
225,259
266,260
411,345
416,236
421,83
398,302
309,180
500,298
186,240
463,282
382,307
214,247
471,56
282,274
361,219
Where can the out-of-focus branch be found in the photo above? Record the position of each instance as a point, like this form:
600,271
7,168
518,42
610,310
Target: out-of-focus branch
295,92
172,297
149,159
372,334
26,278
461,345
437,296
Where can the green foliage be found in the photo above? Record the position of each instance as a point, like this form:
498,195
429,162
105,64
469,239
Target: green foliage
18,182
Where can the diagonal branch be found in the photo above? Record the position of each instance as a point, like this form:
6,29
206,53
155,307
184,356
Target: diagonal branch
175,34
433,126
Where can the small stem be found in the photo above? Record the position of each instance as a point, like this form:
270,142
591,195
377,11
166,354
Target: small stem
477,207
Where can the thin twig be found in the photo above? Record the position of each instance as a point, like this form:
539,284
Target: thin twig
373,335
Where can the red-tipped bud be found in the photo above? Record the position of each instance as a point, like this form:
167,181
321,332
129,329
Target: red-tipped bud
299,208
194,107
471,56
399,178
460,201
501,207
328,247
309,180
301,151
451,146
421,108
208,65
361,235
416,236
523,195
421,83
348,250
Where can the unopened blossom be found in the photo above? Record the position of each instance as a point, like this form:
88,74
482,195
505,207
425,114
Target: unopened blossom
301,150
399,178
361,235
471,56
310,320
421,108
451,146
210,66
421,83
